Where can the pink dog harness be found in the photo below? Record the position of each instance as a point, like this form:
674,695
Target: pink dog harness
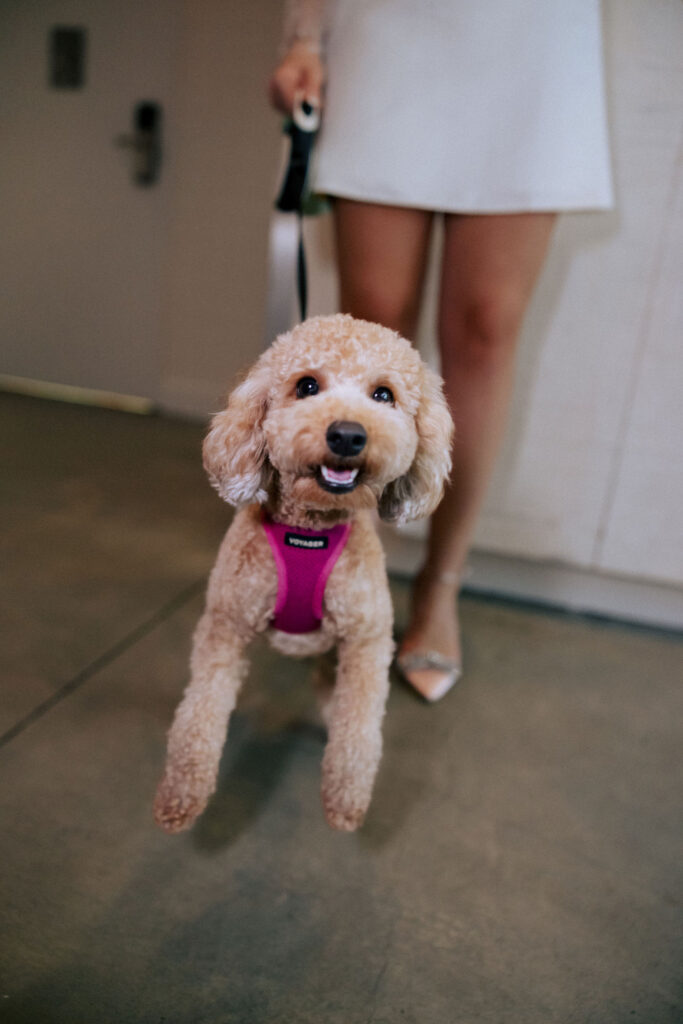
304,559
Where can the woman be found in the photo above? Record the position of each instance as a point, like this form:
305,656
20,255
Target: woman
491,115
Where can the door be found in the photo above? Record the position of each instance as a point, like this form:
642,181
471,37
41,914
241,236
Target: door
82,248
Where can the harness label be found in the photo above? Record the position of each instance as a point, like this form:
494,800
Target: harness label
296,540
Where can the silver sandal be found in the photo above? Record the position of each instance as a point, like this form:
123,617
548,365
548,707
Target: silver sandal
416,667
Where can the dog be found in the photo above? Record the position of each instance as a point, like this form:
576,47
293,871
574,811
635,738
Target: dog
339,419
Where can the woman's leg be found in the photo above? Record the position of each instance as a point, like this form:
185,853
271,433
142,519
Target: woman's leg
490,266
381,256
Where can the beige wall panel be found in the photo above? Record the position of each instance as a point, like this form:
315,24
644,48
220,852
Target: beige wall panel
224,173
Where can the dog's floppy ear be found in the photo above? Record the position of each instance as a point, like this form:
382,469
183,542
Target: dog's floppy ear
235,456
419,491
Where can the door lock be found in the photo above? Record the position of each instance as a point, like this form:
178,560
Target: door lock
145,142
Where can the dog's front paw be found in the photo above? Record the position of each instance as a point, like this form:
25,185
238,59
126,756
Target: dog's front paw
344,808
176,806
344,819
348,775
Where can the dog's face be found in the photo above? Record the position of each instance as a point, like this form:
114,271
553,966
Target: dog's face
339,414
341,420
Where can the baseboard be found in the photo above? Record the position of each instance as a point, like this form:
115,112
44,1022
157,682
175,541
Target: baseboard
552,583
188,399
56,392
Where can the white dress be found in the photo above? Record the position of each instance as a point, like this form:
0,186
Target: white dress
465,105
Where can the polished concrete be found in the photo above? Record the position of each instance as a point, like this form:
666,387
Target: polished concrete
522,860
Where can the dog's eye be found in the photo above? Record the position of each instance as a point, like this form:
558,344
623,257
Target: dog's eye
382,394
307,386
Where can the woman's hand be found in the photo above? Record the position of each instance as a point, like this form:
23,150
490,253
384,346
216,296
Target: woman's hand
299,73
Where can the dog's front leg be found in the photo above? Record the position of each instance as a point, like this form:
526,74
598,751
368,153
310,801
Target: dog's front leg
199,727
354,745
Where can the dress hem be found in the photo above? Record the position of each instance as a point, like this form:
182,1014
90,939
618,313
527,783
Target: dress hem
536,205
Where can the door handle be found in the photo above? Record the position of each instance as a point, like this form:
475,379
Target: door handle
145,142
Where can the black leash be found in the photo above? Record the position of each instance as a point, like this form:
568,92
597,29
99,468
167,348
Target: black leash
301,275
302,130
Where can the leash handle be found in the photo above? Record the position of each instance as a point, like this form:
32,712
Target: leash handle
306,113
302,129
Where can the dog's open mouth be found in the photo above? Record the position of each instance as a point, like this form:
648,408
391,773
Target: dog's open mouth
337,480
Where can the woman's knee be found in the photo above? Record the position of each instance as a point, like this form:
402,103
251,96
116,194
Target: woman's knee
482,328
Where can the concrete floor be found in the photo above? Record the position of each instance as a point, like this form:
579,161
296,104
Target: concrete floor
522,860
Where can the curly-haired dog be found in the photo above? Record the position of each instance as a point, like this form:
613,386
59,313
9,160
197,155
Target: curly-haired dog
337,418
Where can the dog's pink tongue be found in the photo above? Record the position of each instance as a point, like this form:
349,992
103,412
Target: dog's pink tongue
340,476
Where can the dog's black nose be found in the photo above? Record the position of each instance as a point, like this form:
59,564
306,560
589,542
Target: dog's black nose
346,438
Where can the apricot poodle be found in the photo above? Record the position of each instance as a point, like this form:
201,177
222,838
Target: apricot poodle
339,417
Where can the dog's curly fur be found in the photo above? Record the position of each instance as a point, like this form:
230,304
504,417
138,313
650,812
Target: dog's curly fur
266,449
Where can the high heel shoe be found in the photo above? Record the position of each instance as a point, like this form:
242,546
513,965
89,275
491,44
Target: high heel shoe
430,673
